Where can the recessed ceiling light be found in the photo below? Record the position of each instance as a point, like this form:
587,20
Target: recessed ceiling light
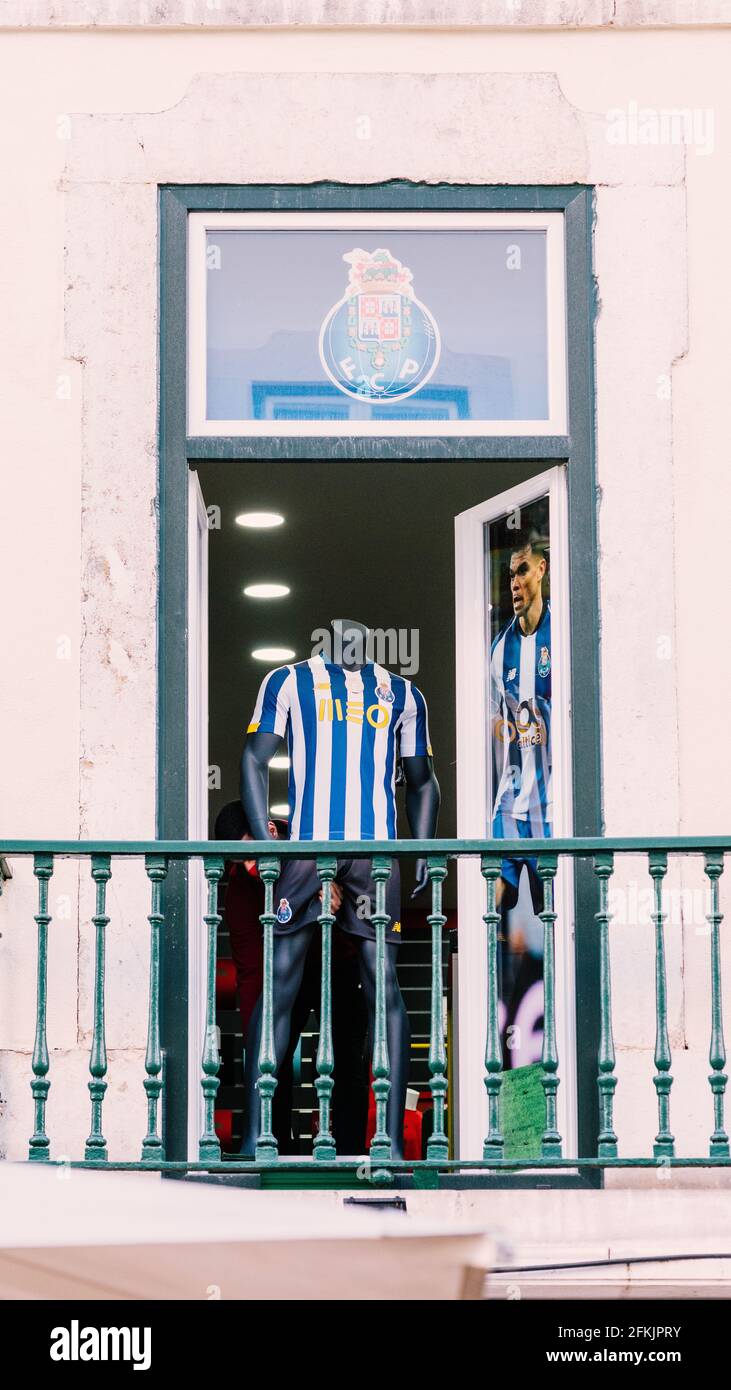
280,761
280,808
266,590
273,654
259,521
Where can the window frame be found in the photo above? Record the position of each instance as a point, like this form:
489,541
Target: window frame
574,448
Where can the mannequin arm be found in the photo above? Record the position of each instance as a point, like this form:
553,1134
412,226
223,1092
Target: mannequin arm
422,809
258,750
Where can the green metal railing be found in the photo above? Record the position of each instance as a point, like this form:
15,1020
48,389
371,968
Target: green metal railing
158,856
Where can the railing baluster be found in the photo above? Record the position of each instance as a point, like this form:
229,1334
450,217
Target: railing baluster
266,1149
494,1145
324,1145
39,1144
606,1081
551,1141
96,1144
209,1148
381,1143
156,867
664,1146
719,1146
438,1143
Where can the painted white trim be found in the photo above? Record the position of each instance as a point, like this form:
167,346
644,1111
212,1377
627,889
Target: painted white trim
472,774
391,15
197,796
199,223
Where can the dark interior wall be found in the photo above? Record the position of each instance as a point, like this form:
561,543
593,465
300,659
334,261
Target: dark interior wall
367,540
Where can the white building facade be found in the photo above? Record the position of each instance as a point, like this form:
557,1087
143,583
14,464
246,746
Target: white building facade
614,119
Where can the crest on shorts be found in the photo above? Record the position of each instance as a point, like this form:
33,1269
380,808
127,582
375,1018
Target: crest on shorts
284,911
379,342
544,662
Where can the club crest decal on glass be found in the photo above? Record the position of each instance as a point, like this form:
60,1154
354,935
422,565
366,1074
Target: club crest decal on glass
379,342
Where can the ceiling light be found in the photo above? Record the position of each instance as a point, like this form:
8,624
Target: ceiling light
266,590
259,521
280,808
280,761
273,654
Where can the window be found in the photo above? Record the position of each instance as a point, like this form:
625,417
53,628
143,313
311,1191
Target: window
468,414
376,324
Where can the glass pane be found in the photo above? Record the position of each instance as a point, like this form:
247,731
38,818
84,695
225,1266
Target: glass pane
520,799
349,325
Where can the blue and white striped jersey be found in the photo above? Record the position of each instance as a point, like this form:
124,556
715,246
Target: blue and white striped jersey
520,720
344,730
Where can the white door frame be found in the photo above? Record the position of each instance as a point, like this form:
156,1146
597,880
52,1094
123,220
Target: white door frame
472,773
197,796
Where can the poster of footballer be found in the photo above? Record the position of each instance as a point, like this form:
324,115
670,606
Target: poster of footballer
517,550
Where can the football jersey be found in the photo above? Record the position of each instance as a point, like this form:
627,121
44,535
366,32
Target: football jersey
344,731
520,721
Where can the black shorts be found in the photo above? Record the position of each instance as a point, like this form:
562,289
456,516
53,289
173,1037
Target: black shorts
297,898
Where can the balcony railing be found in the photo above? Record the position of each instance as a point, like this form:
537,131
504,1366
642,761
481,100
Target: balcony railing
158,856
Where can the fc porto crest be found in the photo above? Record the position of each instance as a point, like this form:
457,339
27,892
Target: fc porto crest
544,661
284,911
385,693
379,342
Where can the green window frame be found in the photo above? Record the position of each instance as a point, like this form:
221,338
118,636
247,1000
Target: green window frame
576,450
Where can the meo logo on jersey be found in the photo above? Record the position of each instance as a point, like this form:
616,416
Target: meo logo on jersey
377,716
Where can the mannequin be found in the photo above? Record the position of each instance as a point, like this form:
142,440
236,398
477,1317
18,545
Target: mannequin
353,705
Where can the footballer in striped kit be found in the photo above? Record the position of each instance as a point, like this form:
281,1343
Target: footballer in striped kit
520,686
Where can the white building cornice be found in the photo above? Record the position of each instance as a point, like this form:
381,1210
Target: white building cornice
355,14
